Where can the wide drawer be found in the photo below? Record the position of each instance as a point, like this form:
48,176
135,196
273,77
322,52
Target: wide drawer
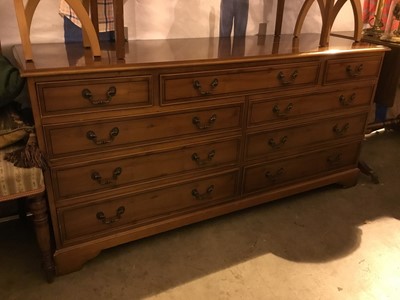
118,214
194,86
266,143
274,174
352,69
263,111
94,94
92,136
99,176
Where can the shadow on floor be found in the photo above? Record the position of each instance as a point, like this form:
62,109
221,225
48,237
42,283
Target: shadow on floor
317,226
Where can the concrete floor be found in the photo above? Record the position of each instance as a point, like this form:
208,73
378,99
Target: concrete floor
331,243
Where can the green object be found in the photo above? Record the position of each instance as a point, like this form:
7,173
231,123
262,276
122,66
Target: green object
11,83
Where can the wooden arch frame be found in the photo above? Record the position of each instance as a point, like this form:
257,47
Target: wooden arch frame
25,14
329,11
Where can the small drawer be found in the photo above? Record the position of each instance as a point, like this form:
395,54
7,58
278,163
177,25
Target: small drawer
196,86
94,94
264,111
268,143
278,173
77,180
338,70
100,135
92,220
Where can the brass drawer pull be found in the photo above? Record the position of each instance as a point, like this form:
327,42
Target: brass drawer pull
275,145
273,177
354,72
334,159
196,121
340,131
93,137
276,110
207,194
346,102
87,94
291,79
97,177
202,162
102,217
197,86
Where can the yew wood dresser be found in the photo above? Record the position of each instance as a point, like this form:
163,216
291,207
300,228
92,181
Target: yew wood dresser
189,129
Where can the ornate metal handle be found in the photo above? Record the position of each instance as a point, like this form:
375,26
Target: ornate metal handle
275,176
97,177
346,102
340,131
207,194
291,79
275,145
354,72
87,94
93,137
202,162
334,159
276,110
102,217
197,86
196,121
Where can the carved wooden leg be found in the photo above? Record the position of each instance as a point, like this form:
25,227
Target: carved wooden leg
38,208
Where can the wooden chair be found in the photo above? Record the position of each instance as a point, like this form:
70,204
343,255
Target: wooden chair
24,14
329,10
17,183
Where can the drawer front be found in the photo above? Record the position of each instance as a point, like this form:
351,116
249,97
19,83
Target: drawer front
135,210
94,94
277,141
289,108
78,180
86,137
278,173
352,69
196,86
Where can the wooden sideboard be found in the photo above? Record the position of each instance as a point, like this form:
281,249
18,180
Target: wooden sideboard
189,129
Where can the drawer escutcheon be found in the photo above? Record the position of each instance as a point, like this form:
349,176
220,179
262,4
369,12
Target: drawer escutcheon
97,177
87,94
102,217
91,135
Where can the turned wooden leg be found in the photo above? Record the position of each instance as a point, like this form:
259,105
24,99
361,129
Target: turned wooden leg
38,209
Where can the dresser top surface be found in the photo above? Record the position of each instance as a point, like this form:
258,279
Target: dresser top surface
60,58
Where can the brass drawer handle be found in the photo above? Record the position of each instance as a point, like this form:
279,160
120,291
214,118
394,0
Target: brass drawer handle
346,102
276,110
340,131
273,177
97,177
196,121
334,159
102,217
275,145
202,162
354,72
93,137
197,86
291,79
207,194
87,94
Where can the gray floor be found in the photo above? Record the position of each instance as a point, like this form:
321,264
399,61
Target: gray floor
331,243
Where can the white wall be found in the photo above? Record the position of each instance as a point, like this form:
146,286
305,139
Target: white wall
159,19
